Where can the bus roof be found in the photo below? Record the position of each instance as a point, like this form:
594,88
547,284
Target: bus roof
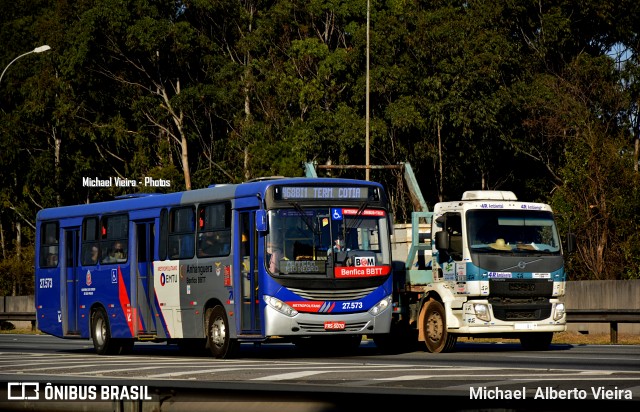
149,201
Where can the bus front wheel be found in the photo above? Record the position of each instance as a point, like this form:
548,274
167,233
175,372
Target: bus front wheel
218,338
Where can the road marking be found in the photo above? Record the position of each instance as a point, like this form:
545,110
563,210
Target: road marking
287,376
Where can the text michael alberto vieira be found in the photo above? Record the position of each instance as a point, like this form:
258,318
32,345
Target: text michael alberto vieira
547,392
112,181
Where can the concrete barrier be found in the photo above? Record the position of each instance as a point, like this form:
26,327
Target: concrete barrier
18,304
603,294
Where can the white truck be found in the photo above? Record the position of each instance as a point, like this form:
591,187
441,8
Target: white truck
491,267
485,266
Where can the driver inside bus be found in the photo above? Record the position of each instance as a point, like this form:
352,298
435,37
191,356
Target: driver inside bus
338,246
274,255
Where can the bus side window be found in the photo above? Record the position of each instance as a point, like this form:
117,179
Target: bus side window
182,233
49,244
187,246
52,260
174,248
114,238
90,241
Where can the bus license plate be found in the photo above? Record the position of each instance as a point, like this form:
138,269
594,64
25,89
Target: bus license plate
334,325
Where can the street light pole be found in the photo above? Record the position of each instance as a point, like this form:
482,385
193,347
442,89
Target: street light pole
36,50
367,100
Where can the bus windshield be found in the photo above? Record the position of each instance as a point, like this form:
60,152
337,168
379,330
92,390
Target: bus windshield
512,230
322,238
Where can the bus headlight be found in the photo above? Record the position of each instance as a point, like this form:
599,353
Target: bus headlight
280,306
560,311
482,311
380,306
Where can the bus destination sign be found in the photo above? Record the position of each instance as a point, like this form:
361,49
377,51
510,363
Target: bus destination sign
321,192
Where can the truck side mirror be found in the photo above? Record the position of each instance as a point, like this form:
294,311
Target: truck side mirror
571,243
442,240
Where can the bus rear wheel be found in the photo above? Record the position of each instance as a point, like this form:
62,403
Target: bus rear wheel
436,337
218,339
101,334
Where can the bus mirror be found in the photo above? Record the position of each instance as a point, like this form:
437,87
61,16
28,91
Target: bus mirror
261,220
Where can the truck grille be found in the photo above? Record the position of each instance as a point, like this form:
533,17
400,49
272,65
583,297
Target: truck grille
520,309
520,287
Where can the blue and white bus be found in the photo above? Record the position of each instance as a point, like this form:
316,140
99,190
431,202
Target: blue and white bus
219,266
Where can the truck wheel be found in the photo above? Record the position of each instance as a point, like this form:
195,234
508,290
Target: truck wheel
536,340
218,339
437,339
101,334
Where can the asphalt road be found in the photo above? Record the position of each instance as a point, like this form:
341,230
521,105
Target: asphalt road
279,377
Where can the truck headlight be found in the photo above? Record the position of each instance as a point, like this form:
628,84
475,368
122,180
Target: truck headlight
280,306
482,311
560,311
380,306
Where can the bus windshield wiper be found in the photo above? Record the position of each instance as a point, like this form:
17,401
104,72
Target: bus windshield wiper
304,216
357,218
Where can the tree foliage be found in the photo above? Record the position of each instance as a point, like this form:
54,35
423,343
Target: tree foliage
536,97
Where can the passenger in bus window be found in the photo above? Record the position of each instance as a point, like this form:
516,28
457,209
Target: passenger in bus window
52,260
174,248
119,252
207,245
94,255
116,253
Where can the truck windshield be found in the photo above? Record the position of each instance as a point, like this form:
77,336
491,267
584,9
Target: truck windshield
310,236
512,231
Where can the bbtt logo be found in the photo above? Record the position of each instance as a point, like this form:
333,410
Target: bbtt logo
365,261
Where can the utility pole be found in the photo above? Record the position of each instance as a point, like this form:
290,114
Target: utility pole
367,99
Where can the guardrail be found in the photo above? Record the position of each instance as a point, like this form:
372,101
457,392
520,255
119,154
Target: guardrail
20,316
610,316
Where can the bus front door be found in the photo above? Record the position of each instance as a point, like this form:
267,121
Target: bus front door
71,238
144,239
249,298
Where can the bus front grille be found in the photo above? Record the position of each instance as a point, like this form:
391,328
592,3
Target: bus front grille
340,294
